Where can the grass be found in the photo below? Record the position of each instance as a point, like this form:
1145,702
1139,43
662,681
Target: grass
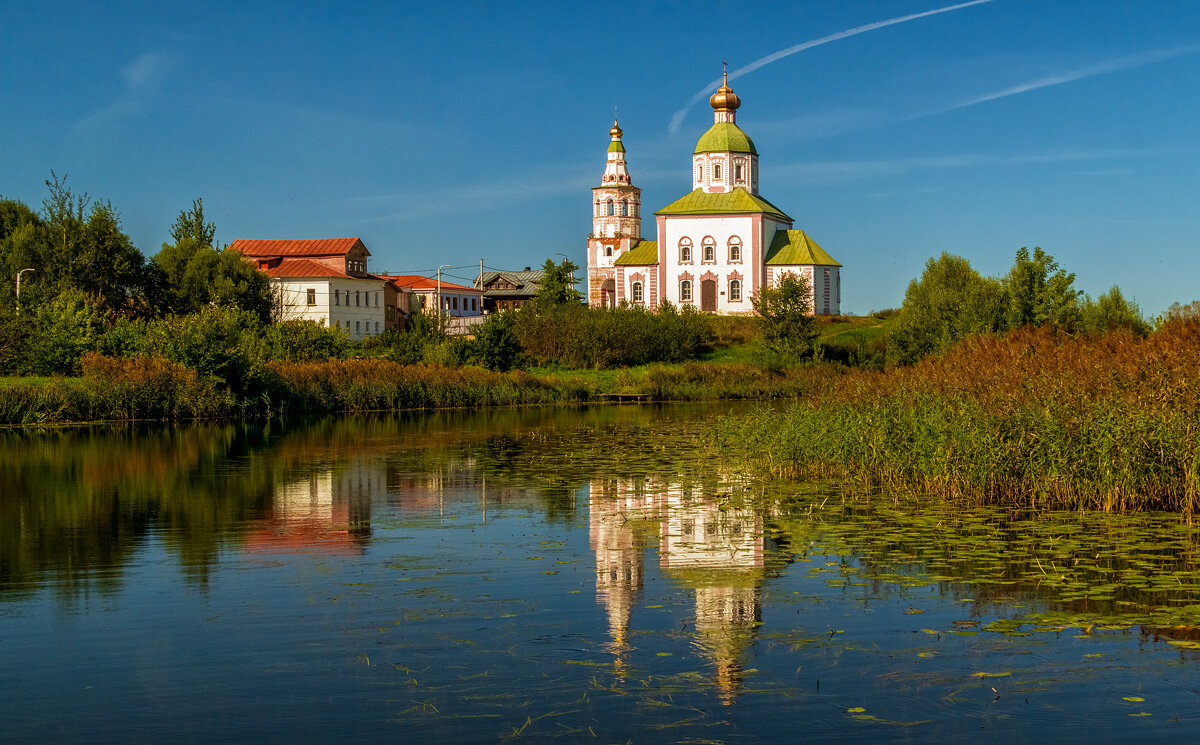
1036,419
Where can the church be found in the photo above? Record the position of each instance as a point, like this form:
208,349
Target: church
713,248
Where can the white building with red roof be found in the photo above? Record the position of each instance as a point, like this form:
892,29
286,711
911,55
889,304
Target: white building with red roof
456,301
323,280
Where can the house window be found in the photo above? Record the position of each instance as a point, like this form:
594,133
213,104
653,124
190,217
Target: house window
376,298
357,298
685,291
685,251
358,327
635,292
454,303
717,172
474,300
735,249
377,327
735,290
312,296
710,251
337,297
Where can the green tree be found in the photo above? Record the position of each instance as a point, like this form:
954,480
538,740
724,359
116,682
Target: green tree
1111,311
1038,292
788,326
950,301
495,345
557,287
195,274
68,326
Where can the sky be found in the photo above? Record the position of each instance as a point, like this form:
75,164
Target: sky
891,130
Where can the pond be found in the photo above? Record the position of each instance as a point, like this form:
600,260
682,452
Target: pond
593,575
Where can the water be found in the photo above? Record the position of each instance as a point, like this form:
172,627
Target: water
581,576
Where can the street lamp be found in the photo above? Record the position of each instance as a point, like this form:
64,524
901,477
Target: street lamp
30,269
439,291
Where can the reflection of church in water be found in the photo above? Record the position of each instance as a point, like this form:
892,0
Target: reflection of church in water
705,544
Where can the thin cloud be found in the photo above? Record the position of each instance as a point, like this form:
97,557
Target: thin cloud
677,118
1103,68
142,78
482,197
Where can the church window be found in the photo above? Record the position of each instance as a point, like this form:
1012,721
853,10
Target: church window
611,208
699,173
710,251
737,171
717,172
685,251
635,292
735,249
625,209
685,291
735,290
608,250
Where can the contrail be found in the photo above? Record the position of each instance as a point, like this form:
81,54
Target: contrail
1102,68
677,119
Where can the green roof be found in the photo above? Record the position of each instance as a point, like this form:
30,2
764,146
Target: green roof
794,247
616,147
725,137
643,254
738,201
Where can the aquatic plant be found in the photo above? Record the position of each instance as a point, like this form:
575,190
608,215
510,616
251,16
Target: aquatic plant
1036,418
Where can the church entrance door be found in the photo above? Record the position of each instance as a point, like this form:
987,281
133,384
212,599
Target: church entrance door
608,293
708,295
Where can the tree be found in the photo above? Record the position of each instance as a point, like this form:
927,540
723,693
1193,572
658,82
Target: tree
788,326
195,274
1039,292
950,301
191,224
1111,311
557,287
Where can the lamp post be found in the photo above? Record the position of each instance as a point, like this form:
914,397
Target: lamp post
30,269
439,293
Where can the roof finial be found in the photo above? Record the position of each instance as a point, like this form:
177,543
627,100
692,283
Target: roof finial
614,115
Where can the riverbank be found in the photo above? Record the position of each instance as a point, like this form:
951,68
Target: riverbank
155,389
1032,419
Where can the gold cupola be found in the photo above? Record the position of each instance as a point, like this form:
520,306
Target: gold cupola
725,99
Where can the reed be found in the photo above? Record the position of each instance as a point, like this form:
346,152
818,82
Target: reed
1032,418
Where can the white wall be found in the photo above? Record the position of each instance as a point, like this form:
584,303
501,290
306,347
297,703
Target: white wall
335,303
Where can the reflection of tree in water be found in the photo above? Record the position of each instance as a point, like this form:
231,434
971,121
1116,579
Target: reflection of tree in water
78,503
706,542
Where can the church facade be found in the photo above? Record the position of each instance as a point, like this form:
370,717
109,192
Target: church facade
714,247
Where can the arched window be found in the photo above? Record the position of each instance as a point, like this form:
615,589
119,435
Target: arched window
737,171
685,250
608,250
699,173
685,291
611,207
635,292
710,250
717,172
735,249
625,209
735,290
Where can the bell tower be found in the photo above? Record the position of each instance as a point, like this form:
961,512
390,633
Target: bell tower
616,202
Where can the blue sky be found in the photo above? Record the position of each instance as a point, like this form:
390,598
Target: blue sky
442,134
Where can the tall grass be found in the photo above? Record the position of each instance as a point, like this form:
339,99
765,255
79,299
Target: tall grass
1034,418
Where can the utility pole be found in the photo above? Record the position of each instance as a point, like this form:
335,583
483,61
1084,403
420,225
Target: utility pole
30,269
480,283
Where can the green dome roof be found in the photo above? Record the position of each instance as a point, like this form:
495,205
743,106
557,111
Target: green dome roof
725,137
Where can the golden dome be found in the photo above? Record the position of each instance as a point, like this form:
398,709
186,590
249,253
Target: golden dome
725,98
616,130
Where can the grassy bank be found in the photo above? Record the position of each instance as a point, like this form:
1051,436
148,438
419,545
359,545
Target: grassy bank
1033,418
152,388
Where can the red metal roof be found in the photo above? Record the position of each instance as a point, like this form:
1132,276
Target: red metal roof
417,282
303,268
255,247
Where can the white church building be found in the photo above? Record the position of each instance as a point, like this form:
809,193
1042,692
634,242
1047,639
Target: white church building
714,247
